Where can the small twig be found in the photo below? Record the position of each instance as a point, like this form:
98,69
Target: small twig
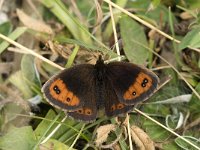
114,31
129,133
1,4
30,51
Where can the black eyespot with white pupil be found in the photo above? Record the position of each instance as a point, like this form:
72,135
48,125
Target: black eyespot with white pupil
134,93
145,81
56,89
143,84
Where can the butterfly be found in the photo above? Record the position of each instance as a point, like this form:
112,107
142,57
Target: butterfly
85,89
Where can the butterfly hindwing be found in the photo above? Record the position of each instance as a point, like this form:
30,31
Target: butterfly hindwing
88,112
113,107
131,82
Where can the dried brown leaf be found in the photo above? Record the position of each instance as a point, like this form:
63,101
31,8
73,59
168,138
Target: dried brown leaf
103,132
33,23
141,139
116,147
5,68
186,15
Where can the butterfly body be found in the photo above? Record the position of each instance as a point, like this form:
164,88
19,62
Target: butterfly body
85,89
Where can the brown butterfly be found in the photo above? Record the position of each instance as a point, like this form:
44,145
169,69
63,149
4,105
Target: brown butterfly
85,89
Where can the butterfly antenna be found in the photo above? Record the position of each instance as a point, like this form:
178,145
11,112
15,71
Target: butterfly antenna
119,42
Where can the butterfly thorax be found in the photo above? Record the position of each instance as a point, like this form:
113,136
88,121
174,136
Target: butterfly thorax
100,69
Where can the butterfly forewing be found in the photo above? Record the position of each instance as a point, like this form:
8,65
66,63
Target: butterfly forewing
131,82
71,89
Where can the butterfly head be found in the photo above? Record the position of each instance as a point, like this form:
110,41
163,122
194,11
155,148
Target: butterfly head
99,61
100,68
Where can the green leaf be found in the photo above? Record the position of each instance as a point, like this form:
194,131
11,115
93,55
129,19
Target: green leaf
140,5
41,128
18,139
10,113
132,35
194,104
156,132
29,70
17,79
185,145
193,4
72,56
14,35
155,3
76,28
6,28
156,109
191,39
170,146
156,13
66,132
55,145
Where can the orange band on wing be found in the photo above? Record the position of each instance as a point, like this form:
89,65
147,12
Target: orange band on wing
59,92
117,106
84,111
142,83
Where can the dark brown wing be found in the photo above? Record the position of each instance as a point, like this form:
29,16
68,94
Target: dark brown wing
88,112
131,82
114,107
72,90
